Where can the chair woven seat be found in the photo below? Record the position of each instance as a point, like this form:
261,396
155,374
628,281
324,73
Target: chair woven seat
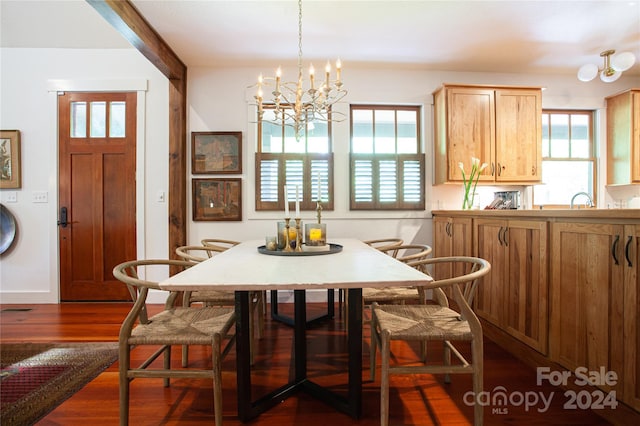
422,322
390,294
182,326
427,322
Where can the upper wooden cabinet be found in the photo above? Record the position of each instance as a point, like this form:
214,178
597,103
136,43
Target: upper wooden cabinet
623,138
502,126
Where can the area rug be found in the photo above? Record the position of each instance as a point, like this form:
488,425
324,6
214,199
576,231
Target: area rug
37,377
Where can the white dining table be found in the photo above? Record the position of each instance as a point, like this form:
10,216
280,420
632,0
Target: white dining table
243,268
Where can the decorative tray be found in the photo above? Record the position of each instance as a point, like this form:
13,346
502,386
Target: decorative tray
333,248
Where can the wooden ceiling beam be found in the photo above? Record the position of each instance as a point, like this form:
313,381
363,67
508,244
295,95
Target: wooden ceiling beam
128,21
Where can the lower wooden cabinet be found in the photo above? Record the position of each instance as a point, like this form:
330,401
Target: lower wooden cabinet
595,289
453,237
567,287
514,294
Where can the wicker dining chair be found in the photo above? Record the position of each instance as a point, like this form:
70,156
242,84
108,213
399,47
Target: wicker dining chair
430,322
406,253
196,254
172,326
386,244
218,244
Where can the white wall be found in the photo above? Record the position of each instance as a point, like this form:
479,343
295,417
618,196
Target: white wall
218,100
29,269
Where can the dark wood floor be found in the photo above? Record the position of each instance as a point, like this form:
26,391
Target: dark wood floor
415,400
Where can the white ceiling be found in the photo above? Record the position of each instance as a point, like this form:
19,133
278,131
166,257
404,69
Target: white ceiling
516,36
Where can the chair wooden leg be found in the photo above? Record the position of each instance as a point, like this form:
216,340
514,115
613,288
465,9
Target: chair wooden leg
124,361
167,364
217,378
372,351
447,360
477,352
185,356
385,353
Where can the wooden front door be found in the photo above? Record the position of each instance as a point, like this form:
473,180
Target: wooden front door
97,211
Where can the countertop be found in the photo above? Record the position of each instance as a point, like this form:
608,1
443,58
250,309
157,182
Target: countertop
584,213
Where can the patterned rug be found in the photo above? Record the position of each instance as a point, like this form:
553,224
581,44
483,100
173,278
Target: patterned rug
37,377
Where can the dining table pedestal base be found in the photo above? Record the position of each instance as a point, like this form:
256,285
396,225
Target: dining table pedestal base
351,404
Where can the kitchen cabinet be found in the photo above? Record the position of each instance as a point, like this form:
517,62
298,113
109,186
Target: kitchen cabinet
514,296
452,237
502,126
587,297
623,138
630,262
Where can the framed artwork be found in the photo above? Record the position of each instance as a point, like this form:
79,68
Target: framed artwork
216,152
10,176
217,199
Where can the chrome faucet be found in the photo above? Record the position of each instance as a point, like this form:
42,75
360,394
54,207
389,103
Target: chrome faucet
589,203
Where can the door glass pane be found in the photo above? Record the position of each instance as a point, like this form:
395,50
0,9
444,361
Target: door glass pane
98,119
117,120
78,119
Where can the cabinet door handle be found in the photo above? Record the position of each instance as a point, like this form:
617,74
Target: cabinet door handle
500,235
493,169
626,251
499,169
613,249
504,236
447,229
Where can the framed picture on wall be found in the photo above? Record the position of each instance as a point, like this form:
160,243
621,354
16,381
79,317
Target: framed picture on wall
216,152
10,172
217,199
10,176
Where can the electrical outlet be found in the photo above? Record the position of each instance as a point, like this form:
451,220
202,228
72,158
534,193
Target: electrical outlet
10,197
161,198
40,197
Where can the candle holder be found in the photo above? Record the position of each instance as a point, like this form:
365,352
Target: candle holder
298,235
287,244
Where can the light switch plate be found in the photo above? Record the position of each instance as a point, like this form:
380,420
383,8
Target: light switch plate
40,197
9,196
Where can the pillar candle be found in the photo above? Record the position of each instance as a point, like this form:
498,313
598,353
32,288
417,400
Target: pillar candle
286,202
297,204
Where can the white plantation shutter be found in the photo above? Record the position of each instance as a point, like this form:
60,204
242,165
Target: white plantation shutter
269,181
363,181
301,170
387,181
412,181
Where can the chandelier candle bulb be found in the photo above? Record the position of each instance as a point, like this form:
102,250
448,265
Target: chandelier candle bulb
338,71
278,75
311,76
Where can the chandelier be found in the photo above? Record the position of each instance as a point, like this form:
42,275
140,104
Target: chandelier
612,69
300,107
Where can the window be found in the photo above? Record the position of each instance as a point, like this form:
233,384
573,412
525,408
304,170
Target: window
282,160
387,165
568,158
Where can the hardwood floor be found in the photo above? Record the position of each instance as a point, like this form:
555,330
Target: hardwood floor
415,400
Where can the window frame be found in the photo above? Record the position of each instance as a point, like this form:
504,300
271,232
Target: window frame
307,202
376,158
592,150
